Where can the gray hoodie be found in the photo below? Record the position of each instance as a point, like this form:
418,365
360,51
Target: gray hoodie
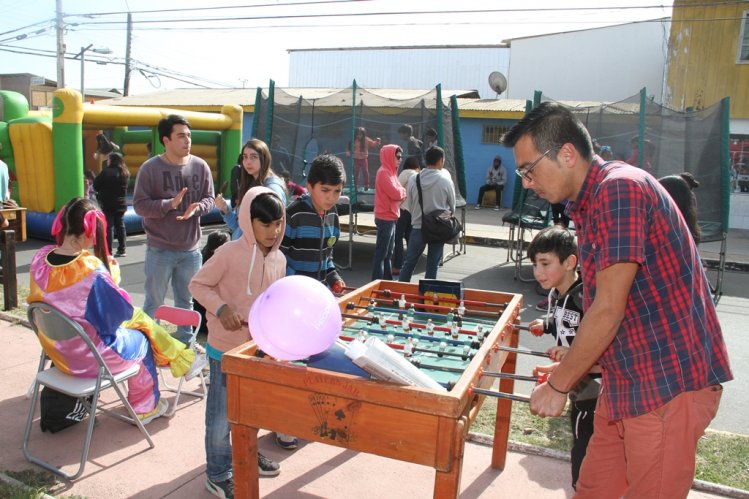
438,193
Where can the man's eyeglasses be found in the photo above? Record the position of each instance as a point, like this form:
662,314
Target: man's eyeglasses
526,172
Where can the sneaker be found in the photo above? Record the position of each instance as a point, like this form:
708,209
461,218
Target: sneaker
543,305
158,411
496,208
120,254
287,442
223,489
198,348
267,467
196,367
477,207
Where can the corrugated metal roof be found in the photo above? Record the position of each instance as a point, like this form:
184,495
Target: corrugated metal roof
201,97
501,105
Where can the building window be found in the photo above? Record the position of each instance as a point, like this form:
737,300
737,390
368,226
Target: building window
744,38
491,134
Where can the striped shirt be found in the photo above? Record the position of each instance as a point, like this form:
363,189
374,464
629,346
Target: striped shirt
308,241
669,341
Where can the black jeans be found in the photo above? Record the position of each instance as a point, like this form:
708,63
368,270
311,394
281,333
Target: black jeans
116,224
581,417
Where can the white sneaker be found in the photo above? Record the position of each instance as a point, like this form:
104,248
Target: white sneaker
157,412
196,367
477,207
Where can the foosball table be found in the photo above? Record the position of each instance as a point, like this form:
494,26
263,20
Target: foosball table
463,344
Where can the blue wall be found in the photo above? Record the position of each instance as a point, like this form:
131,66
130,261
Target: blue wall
478,158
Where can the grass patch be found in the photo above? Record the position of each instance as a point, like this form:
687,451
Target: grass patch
722,457
20,310
37,484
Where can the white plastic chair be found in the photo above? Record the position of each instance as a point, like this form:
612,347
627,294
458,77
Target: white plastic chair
180,317
58,327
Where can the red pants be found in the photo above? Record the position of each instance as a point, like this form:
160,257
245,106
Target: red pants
648,456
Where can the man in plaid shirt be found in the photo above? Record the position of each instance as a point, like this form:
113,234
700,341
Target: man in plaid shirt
649,318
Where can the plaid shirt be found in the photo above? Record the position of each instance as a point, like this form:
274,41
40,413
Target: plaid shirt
669,341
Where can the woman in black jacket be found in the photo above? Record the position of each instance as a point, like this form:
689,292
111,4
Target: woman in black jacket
111,188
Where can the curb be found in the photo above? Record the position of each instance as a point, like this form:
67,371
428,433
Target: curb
523,448
15,483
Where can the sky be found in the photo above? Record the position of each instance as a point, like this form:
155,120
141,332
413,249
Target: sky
235,43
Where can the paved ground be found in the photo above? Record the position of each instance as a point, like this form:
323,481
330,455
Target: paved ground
121,466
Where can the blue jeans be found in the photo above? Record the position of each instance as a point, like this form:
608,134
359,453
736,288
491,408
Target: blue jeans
416,247
383,249
217,442
179,267
402,231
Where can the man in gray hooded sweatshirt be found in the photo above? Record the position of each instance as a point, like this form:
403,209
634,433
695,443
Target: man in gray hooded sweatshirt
438,193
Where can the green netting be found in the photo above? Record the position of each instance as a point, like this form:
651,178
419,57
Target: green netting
299,127
670,142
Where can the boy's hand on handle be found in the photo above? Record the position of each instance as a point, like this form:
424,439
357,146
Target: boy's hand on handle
229,319
557,353
221,203
177,200
338,287
536,327
542,372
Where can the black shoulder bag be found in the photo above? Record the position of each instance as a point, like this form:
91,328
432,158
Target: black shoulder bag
438,226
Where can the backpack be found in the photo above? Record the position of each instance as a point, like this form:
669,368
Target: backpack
59,410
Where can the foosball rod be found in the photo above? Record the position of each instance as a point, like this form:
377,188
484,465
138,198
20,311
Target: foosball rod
415,325
468,311
457,301
439,317
501,395
475,344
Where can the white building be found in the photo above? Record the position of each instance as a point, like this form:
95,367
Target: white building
601,64
465,66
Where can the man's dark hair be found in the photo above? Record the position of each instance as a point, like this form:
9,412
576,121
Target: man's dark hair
166,125
433,155
551,125
431,133
555,239
411,163
326,169
406,128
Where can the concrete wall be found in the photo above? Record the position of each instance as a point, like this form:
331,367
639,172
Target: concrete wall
604,64
465,68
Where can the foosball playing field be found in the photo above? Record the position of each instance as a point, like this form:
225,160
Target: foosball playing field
462,339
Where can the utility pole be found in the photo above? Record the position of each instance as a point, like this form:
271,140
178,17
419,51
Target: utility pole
126,86
60,47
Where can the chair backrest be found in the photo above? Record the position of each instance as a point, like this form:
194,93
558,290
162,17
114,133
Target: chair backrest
55,325
178,316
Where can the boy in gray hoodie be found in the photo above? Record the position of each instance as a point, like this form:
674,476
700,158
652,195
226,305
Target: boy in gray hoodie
438,193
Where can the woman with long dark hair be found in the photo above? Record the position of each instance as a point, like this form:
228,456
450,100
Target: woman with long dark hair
256,171
111,187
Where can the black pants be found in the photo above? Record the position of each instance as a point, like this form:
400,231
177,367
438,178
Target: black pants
497,191
116,224
581,417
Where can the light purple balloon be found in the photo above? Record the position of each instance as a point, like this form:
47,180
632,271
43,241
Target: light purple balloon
296,317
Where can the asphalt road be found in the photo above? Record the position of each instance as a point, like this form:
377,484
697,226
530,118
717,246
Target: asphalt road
486,268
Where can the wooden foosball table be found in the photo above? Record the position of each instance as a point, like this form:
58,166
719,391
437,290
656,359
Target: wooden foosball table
418,425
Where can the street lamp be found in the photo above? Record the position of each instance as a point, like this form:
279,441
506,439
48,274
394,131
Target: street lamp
82,54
